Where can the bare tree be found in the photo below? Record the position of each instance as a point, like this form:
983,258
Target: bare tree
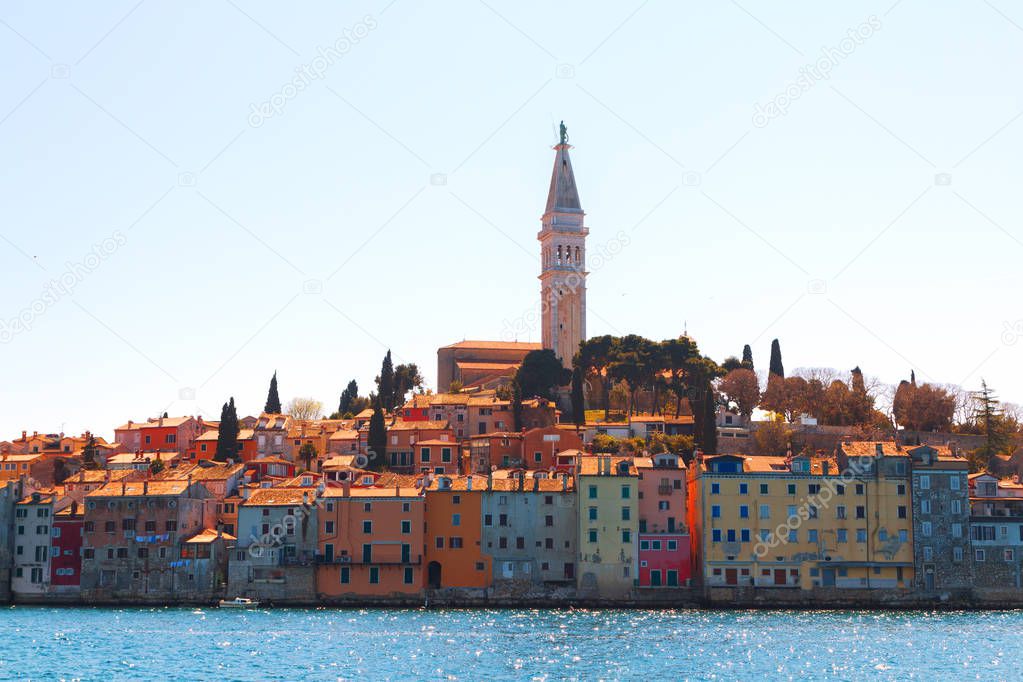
304,408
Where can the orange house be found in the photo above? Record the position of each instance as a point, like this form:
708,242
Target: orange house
454,526
402,438
370,542
13,467
205,446
540,446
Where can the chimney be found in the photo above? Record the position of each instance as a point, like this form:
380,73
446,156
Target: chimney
564,483
468,483
536,484
24,435
74,508
522,480
160,423
145,487
124,487
130,423
879,449
346,488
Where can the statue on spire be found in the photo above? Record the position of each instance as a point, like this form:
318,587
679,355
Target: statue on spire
564,133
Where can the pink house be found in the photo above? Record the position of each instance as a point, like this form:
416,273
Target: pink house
664,542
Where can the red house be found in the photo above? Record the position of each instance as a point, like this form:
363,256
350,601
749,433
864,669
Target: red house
66,558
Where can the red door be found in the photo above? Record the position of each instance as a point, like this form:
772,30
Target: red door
779,576
731,576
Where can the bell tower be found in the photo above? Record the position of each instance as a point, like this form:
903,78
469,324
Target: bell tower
563,273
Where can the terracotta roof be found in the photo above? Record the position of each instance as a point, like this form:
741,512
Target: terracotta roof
141,457
543,485
139,488
437,441
390,480
374,492
459,483
496,345
279,497
418,426
344,434
97,476
207,536
339,461
198,472
486,366
489,401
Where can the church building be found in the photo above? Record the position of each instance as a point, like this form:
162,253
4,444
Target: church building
563,273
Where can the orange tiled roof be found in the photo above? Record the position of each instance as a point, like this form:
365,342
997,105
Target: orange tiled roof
207,536
139,488
418,426
497,345
279,497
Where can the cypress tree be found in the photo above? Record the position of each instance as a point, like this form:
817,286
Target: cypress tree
517,404
377,437
227,436
578,404
710,427
273,401
776,367
348,396
385,383
747,357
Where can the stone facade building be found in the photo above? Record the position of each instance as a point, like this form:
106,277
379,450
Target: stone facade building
529,528
941,517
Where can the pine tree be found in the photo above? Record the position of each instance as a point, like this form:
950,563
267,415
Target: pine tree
273,401
747,357
89,454
776,367
992,424
385,383
708,418
578,399
348,396
227,436
377,437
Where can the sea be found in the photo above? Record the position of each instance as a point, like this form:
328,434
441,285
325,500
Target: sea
42,643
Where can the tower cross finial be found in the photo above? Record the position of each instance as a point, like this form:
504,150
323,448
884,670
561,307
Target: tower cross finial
564,133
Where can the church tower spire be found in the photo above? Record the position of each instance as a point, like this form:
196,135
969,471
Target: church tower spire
563,273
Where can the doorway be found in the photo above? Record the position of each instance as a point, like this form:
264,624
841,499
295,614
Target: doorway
433,575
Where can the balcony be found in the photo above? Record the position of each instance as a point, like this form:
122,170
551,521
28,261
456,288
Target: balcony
348,561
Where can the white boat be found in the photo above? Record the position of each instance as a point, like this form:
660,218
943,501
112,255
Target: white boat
238,603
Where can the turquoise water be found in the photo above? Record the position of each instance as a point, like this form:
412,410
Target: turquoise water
321,644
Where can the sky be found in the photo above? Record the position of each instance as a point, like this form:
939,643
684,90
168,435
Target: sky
195,195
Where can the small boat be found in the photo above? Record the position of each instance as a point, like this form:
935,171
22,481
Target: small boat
238,603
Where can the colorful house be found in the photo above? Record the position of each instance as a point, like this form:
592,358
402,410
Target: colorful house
801,522
454,557
370,542
664,542
608,526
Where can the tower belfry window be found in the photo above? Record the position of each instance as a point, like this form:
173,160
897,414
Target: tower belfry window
577,255
559,254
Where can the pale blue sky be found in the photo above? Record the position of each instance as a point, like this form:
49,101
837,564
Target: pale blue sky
824,226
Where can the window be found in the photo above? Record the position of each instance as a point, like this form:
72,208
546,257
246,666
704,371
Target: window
715,535
346,575
1009,554
957,507
953,482
744,535
593,513
861,535
902,511
502,520
842,535
882,535
793,536
903,535
672,545
792,489
861,512
439,542
957,530
626,492
455,543
859,488
715,512
901,488
367,553
840,511
328,527
502,543
626,536
456,499
763,489
765,511
957,552
374,575
626,513
925,482
743,489
979,555
811,535
548,521
409,573
813,488
813,511
520,543
456,519
925,528
743,511
840,489
928,554
925,506
593,492
715,488
592,535
730,534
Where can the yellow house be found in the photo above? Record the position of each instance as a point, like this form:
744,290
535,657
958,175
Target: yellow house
608,526
801,522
